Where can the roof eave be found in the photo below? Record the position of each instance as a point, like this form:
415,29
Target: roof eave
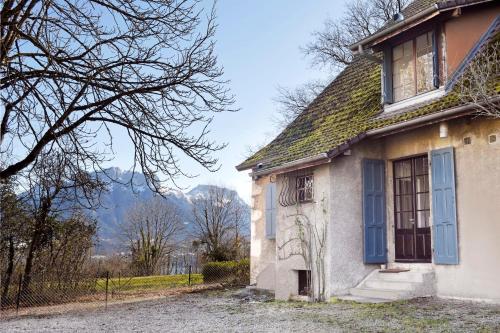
302,163
431,11
366,41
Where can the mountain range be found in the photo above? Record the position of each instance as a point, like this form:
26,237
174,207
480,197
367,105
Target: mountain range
121,195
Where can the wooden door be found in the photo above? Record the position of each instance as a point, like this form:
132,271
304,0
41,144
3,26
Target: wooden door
412,210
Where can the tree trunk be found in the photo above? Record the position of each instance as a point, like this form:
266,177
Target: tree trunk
8,272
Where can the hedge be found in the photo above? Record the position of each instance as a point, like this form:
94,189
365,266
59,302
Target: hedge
227,272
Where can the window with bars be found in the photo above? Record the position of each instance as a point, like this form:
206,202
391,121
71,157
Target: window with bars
304,188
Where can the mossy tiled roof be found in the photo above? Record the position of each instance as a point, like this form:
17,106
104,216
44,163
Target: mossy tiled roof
345,110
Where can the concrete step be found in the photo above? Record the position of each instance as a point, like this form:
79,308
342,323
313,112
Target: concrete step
359,299
379,293
390,285
411,276
424,267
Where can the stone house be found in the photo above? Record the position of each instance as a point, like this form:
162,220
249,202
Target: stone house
391,168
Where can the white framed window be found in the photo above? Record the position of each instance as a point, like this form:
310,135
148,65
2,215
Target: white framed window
413,67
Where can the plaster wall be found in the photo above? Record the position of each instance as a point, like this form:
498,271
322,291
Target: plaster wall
346,232
262,250
287,266
339,185
477,168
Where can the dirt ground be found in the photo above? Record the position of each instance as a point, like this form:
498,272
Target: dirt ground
235,311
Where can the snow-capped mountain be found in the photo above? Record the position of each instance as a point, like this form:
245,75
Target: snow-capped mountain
123,194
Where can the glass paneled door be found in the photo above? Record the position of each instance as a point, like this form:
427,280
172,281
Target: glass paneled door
412,210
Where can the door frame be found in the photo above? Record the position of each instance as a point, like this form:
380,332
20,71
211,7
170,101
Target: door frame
405,158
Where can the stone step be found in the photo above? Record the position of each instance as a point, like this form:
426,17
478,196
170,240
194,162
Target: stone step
379,293
390,285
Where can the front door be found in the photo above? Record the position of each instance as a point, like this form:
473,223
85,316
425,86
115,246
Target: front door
412,210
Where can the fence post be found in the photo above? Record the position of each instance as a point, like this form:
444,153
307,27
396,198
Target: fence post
107,283
189,275
19,289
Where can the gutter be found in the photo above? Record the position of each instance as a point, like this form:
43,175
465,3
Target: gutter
327,157
434,117
431,118
359,45
307,161
437,8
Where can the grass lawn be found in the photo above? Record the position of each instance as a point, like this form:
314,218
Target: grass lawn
148,282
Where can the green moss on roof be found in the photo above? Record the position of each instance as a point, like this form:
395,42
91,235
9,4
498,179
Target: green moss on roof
337,114
345,110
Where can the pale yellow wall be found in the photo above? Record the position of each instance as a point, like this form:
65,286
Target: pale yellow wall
477,169
262,250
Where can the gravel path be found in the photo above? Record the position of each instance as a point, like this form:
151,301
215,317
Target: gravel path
228,311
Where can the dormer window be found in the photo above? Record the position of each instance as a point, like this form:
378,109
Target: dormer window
410,68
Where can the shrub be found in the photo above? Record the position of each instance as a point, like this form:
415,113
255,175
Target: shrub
227,272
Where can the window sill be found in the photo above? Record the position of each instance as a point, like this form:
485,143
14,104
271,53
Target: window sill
415,100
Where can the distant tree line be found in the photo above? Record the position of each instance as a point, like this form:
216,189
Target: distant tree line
159,241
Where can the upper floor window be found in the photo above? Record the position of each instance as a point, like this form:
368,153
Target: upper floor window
412,67
304,187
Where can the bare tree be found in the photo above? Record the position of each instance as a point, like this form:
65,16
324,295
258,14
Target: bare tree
477,85
75,72
218,216
330,48
362,18
293,101
152,229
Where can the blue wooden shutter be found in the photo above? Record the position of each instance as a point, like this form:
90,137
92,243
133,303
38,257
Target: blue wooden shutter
375,238
444,210
387,75
271,211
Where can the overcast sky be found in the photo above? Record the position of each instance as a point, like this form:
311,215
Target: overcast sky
258,43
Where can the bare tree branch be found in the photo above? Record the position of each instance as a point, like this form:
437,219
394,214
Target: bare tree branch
479,83
73,73
330,48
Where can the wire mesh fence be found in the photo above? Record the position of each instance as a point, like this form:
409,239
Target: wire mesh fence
56,295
